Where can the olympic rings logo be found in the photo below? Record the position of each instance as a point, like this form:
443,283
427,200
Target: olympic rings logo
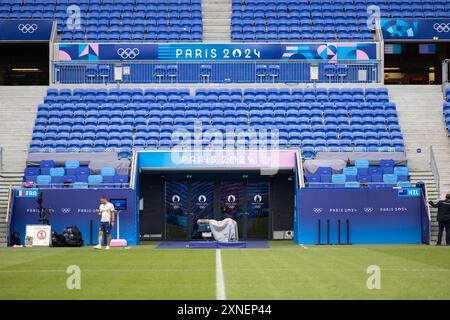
27,28
128,53
442,27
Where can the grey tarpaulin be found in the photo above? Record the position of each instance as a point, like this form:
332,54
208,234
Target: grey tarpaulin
373,157
311,166
95,160
225,230
122,166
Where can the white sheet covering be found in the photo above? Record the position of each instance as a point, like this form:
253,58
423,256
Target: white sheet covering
225,230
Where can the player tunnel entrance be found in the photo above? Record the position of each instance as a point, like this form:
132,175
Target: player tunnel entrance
173,201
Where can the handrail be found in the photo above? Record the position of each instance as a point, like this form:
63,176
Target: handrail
301,175
445,75
8,206
100,185
427,205
435,170
133,169
386,185
1,159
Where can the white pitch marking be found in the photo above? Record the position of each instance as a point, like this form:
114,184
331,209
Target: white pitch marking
220,285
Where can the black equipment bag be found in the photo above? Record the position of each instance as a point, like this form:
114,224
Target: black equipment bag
58,240
15,239
73,236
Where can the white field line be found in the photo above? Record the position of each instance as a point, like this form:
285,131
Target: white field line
220,285
241,269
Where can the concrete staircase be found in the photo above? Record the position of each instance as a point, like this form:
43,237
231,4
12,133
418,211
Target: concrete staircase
216,20
433,195
18,107
420,115
6,181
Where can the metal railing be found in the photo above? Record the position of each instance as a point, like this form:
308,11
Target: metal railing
220,72
1,159
435,170
134,160
371,185
86,185
445,75
8,205
301,176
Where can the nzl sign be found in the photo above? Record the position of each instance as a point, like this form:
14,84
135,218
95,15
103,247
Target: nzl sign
410,192
27,193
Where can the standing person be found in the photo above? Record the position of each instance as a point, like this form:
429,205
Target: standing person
106,211
443,218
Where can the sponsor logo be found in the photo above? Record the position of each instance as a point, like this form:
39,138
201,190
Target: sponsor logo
27,28
128,53
257,198
442,27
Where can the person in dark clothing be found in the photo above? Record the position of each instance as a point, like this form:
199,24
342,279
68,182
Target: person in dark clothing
443,218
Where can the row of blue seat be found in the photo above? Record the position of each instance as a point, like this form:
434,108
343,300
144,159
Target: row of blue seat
320,19
47,174
79,181
135,92
116,21
369,126
385,174
72,167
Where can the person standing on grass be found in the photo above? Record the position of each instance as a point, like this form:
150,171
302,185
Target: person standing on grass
443,218
106,211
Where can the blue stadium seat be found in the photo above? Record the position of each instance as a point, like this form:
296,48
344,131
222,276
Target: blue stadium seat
80,185
43,181
108,171
71,166
45,166
390,178
31,171
95,181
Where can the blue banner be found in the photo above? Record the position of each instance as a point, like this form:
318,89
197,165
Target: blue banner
375,216
352,51
25,30
76,207
415,29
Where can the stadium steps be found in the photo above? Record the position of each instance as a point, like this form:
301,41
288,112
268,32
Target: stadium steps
420,115
18,107
433,195
7,179
216,20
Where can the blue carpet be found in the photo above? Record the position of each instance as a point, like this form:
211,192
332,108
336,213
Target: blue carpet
212,245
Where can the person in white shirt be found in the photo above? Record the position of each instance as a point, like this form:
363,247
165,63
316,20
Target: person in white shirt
106,211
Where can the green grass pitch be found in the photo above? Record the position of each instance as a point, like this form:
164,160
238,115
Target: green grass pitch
283,271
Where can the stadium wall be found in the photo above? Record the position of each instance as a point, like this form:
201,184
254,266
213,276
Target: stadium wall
75,207
375,216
